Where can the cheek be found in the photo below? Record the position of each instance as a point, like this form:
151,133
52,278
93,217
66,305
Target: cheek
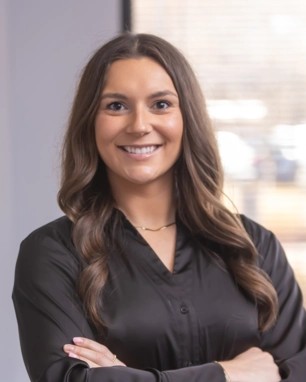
174,128
105,130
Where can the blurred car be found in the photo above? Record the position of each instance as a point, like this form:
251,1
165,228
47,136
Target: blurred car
288,149
286,164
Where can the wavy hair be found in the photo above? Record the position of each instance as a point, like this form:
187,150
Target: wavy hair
85,194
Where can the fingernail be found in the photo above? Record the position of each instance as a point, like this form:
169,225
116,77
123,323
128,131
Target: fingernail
72,355
77,340
69,347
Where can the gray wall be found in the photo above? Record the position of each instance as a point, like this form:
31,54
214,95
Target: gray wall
43,47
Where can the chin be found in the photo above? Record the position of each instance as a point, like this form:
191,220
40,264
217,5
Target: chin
141,177
141,180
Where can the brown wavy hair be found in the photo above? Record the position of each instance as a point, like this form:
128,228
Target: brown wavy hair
85,195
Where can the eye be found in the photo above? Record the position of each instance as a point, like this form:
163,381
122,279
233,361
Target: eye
115,106
161,105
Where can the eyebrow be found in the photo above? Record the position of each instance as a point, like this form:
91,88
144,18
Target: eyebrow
163,94
154,95
113,95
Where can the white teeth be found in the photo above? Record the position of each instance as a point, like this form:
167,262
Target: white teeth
138,150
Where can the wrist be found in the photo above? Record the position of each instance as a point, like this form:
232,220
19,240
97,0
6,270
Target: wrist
226,375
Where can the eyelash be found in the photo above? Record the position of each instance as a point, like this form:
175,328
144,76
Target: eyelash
109,106
165,102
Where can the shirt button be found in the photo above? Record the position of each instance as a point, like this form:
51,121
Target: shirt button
189,364
184,309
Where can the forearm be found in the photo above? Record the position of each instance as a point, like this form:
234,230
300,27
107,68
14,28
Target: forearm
70,370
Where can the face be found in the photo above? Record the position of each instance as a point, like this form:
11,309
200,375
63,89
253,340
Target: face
139,124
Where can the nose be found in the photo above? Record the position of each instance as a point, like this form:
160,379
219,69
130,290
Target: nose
139,123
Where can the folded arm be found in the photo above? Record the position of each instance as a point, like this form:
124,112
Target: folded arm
50,314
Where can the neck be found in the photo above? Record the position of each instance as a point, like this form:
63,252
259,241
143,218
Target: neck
149,205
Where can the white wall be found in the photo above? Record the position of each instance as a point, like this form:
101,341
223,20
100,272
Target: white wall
43,47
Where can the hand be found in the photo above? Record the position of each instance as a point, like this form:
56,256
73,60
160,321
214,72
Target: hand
95,354
251,366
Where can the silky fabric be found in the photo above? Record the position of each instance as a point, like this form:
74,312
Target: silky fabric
165,326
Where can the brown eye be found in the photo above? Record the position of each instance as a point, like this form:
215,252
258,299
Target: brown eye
161,105
115,106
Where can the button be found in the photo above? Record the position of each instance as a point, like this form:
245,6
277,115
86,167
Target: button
189,364
184,309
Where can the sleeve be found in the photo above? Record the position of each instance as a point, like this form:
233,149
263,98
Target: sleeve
286,340
50,314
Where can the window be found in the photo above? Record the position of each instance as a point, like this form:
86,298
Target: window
250,58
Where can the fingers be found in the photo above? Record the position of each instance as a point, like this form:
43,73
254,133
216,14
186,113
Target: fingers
95,354
94,359
90,363
94,346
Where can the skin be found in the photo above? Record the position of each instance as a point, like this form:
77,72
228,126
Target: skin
253,365
140,107
146,113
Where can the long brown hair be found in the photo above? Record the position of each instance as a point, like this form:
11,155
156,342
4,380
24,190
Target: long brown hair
85,194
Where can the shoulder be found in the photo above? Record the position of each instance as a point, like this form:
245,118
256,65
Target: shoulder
269,249
46,249
57,233
59,229
260,235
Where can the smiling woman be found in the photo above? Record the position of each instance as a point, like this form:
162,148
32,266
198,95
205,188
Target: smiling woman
149,277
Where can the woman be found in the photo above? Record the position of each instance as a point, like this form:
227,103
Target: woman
149,277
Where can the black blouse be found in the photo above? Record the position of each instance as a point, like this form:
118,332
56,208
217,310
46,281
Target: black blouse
166,327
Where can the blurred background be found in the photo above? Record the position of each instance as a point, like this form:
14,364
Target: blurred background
250,58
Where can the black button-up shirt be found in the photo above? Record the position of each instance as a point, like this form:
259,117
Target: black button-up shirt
166,327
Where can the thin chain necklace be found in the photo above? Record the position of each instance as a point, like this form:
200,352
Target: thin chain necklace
155,230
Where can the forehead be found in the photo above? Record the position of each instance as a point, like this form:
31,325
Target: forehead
137,73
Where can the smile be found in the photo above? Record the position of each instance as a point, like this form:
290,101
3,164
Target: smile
139,150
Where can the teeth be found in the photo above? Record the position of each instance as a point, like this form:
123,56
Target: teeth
138,150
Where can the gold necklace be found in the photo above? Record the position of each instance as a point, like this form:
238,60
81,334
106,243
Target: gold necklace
158,229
